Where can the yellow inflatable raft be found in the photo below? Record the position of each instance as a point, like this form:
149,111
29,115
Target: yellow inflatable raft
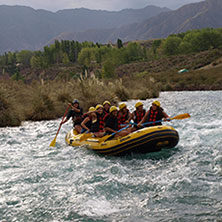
149,139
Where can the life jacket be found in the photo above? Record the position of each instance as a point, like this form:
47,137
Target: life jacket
155,116
98,126
89,123
84,116
106,111
122,118
139,115
105,116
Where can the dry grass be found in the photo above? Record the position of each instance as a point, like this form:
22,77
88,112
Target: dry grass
48,100
10,114
207,79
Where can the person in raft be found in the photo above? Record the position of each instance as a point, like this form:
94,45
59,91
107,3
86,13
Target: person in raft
111,125
155,113
97,126
89,119
138,114
123,115
76,113
106,106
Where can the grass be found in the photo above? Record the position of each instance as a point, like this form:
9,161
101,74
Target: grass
48,100
204,79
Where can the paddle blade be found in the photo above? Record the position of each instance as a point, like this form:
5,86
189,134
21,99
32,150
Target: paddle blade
53,142
104,138
85,136
181,116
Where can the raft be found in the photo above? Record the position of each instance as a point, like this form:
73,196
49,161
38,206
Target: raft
145,140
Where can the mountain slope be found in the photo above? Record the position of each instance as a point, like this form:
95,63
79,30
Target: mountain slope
206,14
83,19
25,28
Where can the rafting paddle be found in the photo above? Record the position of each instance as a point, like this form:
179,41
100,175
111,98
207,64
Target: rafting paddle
54,140
85,136
180,116
105,138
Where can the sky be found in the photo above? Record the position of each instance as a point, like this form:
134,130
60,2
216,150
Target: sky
110,5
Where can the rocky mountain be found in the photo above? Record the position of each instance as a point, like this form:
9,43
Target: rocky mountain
25,28
205,14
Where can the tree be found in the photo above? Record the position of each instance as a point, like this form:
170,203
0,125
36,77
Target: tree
171,45
24,57
11,63
185,47
108,69
35,62
65,59
98,45
2,61
38,62
57,45
119,43
84,57
48,54
212,38
155,45
11,58
133,52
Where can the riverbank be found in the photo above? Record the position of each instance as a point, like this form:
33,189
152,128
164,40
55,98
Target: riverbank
48,100
44,94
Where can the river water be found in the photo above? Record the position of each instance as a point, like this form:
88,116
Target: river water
41,183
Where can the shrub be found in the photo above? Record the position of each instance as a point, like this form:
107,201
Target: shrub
8,113
42,108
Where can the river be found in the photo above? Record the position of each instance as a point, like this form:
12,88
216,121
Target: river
41,183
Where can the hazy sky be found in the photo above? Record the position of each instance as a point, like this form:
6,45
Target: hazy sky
54,5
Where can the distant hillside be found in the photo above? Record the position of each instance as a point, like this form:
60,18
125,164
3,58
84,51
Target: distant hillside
205,14
25,28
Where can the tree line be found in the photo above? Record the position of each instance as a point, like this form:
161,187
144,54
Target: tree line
192,41
72,52
60,52
108,56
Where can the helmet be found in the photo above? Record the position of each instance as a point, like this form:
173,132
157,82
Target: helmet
75,101
157,103
106,102
112,108
92,109
122,105
99,106
138,104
